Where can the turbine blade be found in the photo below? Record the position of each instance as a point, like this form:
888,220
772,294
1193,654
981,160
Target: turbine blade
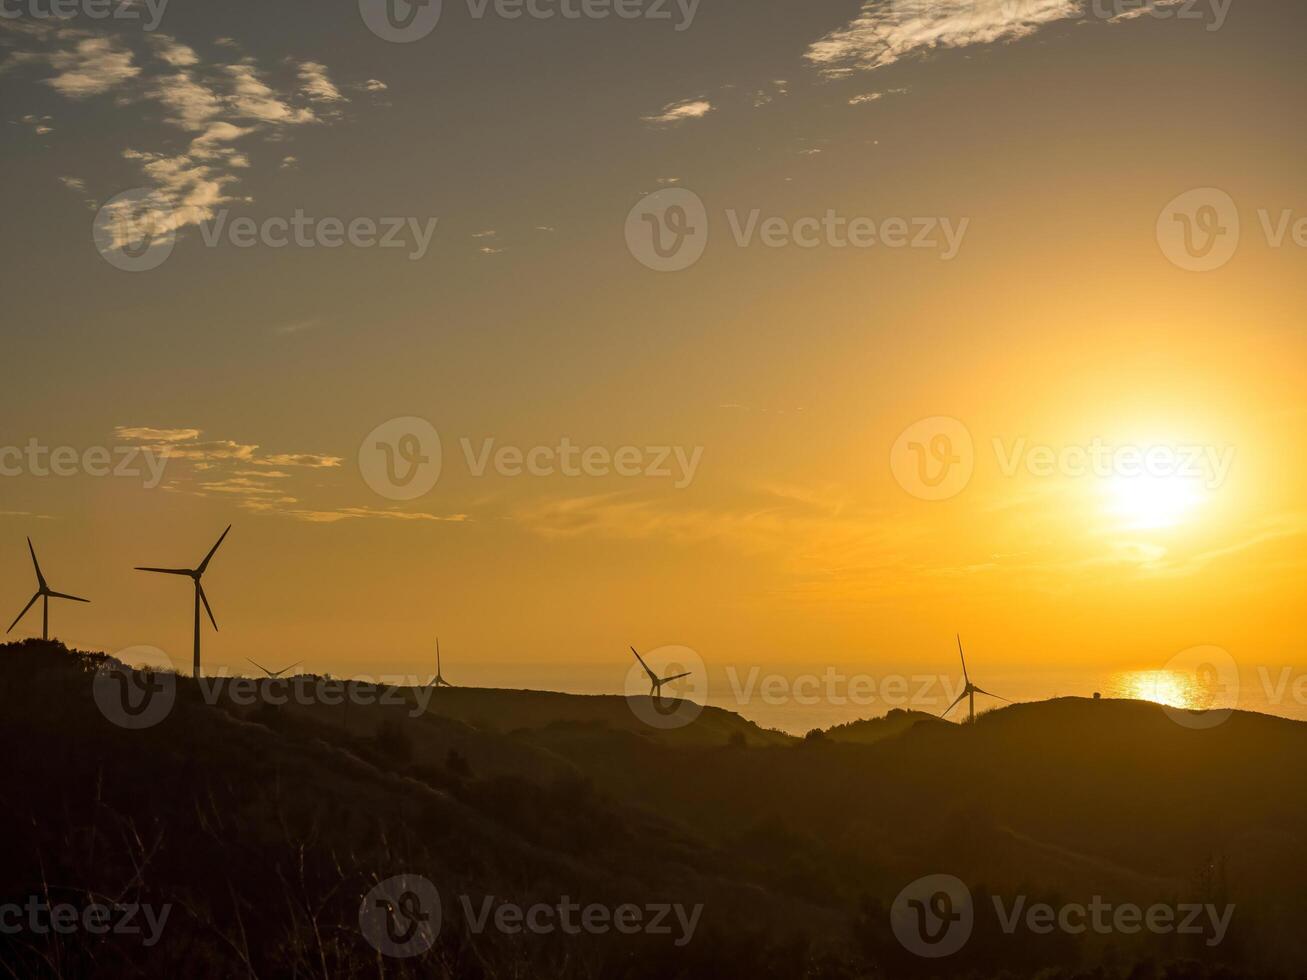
954,704
652,676
987,694
260,666
291,667
209,557
37,565
165,571
964,660
65,595
668,680
23,613
205,599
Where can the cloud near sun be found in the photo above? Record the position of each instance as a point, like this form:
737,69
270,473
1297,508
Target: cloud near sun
218,103
887,30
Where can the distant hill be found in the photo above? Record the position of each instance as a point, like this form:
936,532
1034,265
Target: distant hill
870,730
263,825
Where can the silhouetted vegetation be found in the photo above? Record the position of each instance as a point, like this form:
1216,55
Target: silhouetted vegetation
263,827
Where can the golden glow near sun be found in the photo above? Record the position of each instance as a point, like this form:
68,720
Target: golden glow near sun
1147,503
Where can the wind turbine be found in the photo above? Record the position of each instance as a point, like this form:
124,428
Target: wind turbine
273,675
195,574
656,682
439,679
970,691
44,593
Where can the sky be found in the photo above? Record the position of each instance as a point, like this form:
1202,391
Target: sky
866,324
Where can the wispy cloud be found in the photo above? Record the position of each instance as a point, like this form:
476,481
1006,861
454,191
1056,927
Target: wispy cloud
885,32
217,104
259,482
316,85
679,112
40,125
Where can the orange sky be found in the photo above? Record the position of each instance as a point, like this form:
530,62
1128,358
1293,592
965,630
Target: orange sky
787,374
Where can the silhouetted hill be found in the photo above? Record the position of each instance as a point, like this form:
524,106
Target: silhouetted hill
263,826
869,730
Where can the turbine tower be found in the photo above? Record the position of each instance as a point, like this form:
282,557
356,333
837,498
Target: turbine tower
45,594
195,575
273,675
655,682
439,679
970,691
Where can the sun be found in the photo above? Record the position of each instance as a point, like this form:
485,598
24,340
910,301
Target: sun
1149,503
